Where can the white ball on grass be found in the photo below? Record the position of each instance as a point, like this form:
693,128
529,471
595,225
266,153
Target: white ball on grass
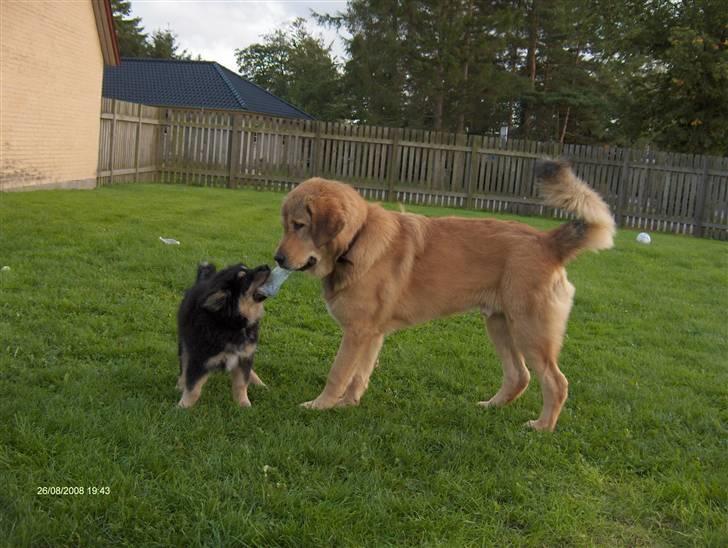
643,238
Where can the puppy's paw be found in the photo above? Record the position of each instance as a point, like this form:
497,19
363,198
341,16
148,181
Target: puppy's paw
184,404
488,403
245,403
255,379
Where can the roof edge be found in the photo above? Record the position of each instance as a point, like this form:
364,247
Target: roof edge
238,98
271,94
160,60
106,32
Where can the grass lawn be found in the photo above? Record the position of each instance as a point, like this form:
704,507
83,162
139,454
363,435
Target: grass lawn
87,397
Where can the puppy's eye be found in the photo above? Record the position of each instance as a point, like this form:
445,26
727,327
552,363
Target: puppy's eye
298,226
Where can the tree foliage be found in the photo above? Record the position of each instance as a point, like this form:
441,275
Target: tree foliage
134,42
129,31
620,72
298,67
679,90
163,44
578,71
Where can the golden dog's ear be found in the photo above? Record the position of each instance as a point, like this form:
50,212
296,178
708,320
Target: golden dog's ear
327,220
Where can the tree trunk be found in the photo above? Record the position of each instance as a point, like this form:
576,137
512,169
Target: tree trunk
439,108
465,95
532,43
463,101
531,63
566,122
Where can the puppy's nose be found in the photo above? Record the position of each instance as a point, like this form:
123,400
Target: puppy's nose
280,258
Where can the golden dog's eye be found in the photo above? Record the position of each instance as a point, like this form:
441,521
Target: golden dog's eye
298,226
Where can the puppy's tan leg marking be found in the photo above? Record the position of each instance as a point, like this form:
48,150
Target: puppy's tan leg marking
190,397
183,360
240,387
515,373
356,346
254,379
360,381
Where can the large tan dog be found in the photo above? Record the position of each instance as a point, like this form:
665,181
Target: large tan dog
382,271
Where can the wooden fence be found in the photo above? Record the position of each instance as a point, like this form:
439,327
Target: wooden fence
648,190
128,142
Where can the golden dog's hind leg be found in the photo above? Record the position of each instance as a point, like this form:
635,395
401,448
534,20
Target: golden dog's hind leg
540,343
555,389
356,345
360,381
515,373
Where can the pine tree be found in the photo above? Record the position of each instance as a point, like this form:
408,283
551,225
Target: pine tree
129,31
163,45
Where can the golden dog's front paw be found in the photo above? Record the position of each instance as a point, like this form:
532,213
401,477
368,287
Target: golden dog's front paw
540,426
347,402
318,403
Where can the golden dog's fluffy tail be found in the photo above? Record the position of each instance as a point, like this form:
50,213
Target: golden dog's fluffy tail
594,226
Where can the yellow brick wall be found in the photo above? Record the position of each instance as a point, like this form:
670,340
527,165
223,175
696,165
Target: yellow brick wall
51,71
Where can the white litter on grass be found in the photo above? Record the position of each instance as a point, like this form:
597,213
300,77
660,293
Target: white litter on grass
169,241
643,238
277,276
5,268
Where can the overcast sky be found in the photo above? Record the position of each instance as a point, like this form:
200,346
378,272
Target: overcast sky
215,28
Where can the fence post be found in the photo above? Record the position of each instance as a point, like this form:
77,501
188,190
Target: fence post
622,190
393,166
316,149
700,204
138,143
163,115
236,138
111,141
473,173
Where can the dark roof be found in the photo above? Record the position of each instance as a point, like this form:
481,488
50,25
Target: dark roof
198,84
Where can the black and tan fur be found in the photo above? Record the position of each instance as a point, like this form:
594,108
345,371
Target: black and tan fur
218,329
382,271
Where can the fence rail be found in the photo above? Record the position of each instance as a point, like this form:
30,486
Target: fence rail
649,190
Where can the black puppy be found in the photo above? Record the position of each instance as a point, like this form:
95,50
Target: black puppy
218,329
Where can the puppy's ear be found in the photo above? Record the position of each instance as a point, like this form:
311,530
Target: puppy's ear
327,220
204,271
215,301
260,277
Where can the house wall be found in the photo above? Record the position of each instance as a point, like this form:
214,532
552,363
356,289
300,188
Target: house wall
51,71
